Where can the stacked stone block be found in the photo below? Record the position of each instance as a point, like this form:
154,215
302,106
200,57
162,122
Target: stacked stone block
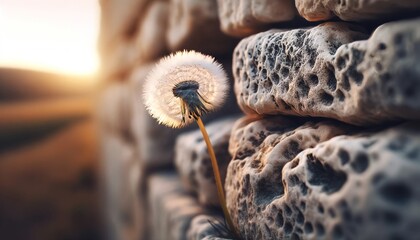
329,144
325,72
135,34
244,17
357,10
286,184
193,161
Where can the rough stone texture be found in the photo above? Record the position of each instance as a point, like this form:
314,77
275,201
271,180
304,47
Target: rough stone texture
245,17
350,187
193,162
150,42
172,209
194,24
260,149
201,229
311,73
351,10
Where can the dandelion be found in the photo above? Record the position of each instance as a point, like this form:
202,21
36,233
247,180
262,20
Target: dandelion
180,89
183,86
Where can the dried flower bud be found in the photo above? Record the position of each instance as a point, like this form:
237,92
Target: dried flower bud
183,86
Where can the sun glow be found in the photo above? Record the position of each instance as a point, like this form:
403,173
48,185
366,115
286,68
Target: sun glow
50,35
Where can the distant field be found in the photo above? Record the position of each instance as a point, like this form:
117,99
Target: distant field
23,85
23,121
49,188
42,110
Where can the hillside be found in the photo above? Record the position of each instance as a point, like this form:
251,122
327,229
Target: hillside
22,85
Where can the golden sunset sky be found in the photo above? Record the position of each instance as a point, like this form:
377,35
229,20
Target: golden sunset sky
50,35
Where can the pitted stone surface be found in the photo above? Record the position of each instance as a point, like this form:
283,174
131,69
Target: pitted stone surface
354,10
245,17
350,187
150,42
260,149
311,73
195,25
193,162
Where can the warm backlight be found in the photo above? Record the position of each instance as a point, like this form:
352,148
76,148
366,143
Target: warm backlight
50,35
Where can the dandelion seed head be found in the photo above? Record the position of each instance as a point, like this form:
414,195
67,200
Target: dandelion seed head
175,78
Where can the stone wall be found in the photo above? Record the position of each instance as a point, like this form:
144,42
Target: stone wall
328,142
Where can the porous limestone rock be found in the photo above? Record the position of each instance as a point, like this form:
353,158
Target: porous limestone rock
260,149
193,161
244,17
354,10
314,73
194,24
350,187
150,42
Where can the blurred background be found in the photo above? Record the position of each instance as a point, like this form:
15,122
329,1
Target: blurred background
48,134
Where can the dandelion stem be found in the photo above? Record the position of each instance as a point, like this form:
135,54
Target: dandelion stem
216,173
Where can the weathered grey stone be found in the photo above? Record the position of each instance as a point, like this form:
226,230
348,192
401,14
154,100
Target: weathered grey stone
311,73
194,24
354,10
245,17
175,214
201,229
260,149
193,162
150,42
350,187
171,209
